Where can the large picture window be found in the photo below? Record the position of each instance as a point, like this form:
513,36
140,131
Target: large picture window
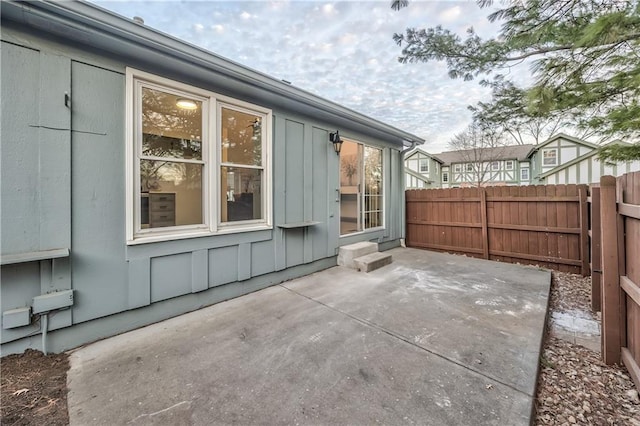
361,188
197,162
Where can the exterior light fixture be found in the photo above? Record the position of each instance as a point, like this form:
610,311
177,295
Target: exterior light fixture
188,104
337,142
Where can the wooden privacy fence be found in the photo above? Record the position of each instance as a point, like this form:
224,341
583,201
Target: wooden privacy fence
541,225
615,254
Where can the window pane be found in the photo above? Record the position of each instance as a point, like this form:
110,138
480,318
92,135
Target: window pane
169,130
372,187
241,138
549,157
350,188
241,193
171,193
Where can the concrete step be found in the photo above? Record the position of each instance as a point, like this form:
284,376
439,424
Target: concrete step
373,261
346,254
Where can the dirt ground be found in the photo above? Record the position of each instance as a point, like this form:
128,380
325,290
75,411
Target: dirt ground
574,386
33,389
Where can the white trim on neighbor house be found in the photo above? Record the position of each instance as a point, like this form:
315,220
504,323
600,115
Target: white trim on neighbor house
586,169
210,147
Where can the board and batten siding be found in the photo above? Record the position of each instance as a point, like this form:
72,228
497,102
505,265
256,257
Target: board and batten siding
567,150
64,188
590,170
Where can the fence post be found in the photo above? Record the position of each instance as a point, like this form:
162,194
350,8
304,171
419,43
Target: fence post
596,251
611,339
483,218
621,183
584,230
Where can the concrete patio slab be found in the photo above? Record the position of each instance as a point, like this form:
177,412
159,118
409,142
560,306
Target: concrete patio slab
431,339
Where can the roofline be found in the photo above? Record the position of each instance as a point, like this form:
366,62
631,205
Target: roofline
581,158
79,20
422,151
563,136
505,158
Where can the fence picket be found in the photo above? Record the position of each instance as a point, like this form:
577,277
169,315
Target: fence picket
518,224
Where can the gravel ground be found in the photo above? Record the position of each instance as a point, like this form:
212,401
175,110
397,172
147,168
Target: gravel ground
574,385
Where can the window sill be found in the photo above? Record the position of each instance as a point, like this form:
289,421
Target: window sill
366,231
184,235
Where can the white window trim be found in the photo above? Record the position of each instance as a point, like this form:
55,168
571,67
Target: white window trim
445,177
509,165
495,163
210,156
420,164
555,163
528,174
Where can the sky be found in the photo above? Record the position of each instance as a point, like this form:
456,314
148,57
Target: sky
342,51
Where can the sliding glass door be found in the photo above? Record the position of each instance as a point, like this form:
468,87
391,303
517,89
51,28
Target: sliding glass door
361,192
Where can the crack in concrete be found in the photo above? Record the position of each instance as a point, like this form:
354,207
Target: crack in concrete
160,411
410,342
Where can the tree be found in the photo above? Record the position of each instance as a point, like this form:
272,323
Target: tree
478,148
508,114
586,53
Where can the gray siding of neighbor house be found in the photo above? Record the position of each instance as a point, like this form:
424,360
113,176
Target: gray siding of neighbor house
65,188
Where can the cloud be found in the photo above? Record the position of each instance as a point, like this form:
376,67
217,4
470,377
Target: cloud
329,9
450,15
341,51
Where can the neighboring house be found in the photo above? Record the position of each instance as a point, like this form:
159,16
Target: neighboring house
561,159
485,166
507,165
143,177
422,170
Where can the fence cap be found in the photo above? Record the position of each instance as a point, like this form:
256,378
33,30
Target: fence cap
607,181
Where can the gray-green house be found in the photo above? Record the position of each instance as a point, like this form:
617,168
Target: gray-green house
561,159
422,170
505,165
143,177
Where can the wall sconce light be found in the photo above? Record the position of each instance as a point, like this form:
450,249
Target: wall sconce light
337,142
187,104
